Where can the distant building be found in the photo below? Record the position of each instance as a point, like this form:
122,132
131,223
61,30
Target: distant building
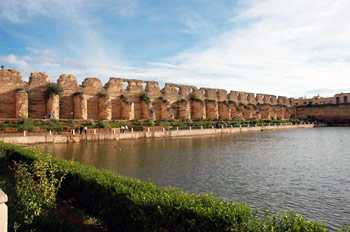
342,98
318,100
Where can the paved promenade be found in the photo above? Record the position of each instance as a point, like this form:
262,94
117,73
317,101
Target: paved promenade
32,138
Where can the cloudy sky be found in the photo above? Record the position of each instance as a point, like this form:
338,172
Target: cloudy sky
280,47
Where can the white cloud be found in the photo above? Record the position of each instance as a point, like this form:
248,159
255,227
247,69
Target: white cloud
285,47
14,61
126,8
279,47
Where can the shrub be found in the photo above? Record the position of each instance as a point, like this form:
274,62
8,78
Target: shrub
116,124
163,123
135,122
182,100
18,89
52,125
78,93
235,104
102,124
145,97
52,89
25,124
125,98
164,100
70,123
148,123
244,105
4,126
295,120
224,102
210,100
103,94
36,188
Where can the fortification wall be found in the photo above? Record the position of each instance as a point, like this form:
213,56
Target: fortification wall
327,112
10,82
128,99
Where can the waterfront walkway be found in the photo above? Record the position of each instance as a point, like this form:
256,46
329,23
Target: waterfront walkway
115,134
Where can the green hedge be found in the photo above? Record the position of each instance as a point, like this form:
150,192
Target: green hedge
126,204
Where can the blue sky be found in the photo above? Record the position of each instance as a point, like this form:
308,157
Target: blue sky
280,47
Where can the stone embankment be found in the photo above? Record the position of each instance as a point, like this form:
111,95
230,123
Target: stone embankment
53,138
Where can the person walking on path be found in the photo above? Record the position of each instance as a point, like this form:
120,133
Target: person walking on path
76,129
85,129
126,128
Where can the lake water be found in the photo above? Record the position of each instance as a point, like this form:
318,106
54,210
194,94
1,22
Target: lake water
307,170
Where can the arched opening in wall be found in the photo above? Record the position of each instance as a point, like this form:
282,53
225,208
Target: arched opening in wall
37,103
160,109
137,108
181,112
337,100
144,86
125,84
345,99
210,108
223,110
92,108
177,89
161,85
197,110
205,93
116,108
156,109
7,104
66,107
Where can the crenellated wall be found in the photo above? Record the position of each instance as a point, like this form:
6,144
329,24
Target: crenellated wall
128,99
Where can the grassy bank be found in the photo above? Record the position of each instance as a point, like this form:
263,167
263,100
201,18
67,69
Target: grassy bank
126,204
